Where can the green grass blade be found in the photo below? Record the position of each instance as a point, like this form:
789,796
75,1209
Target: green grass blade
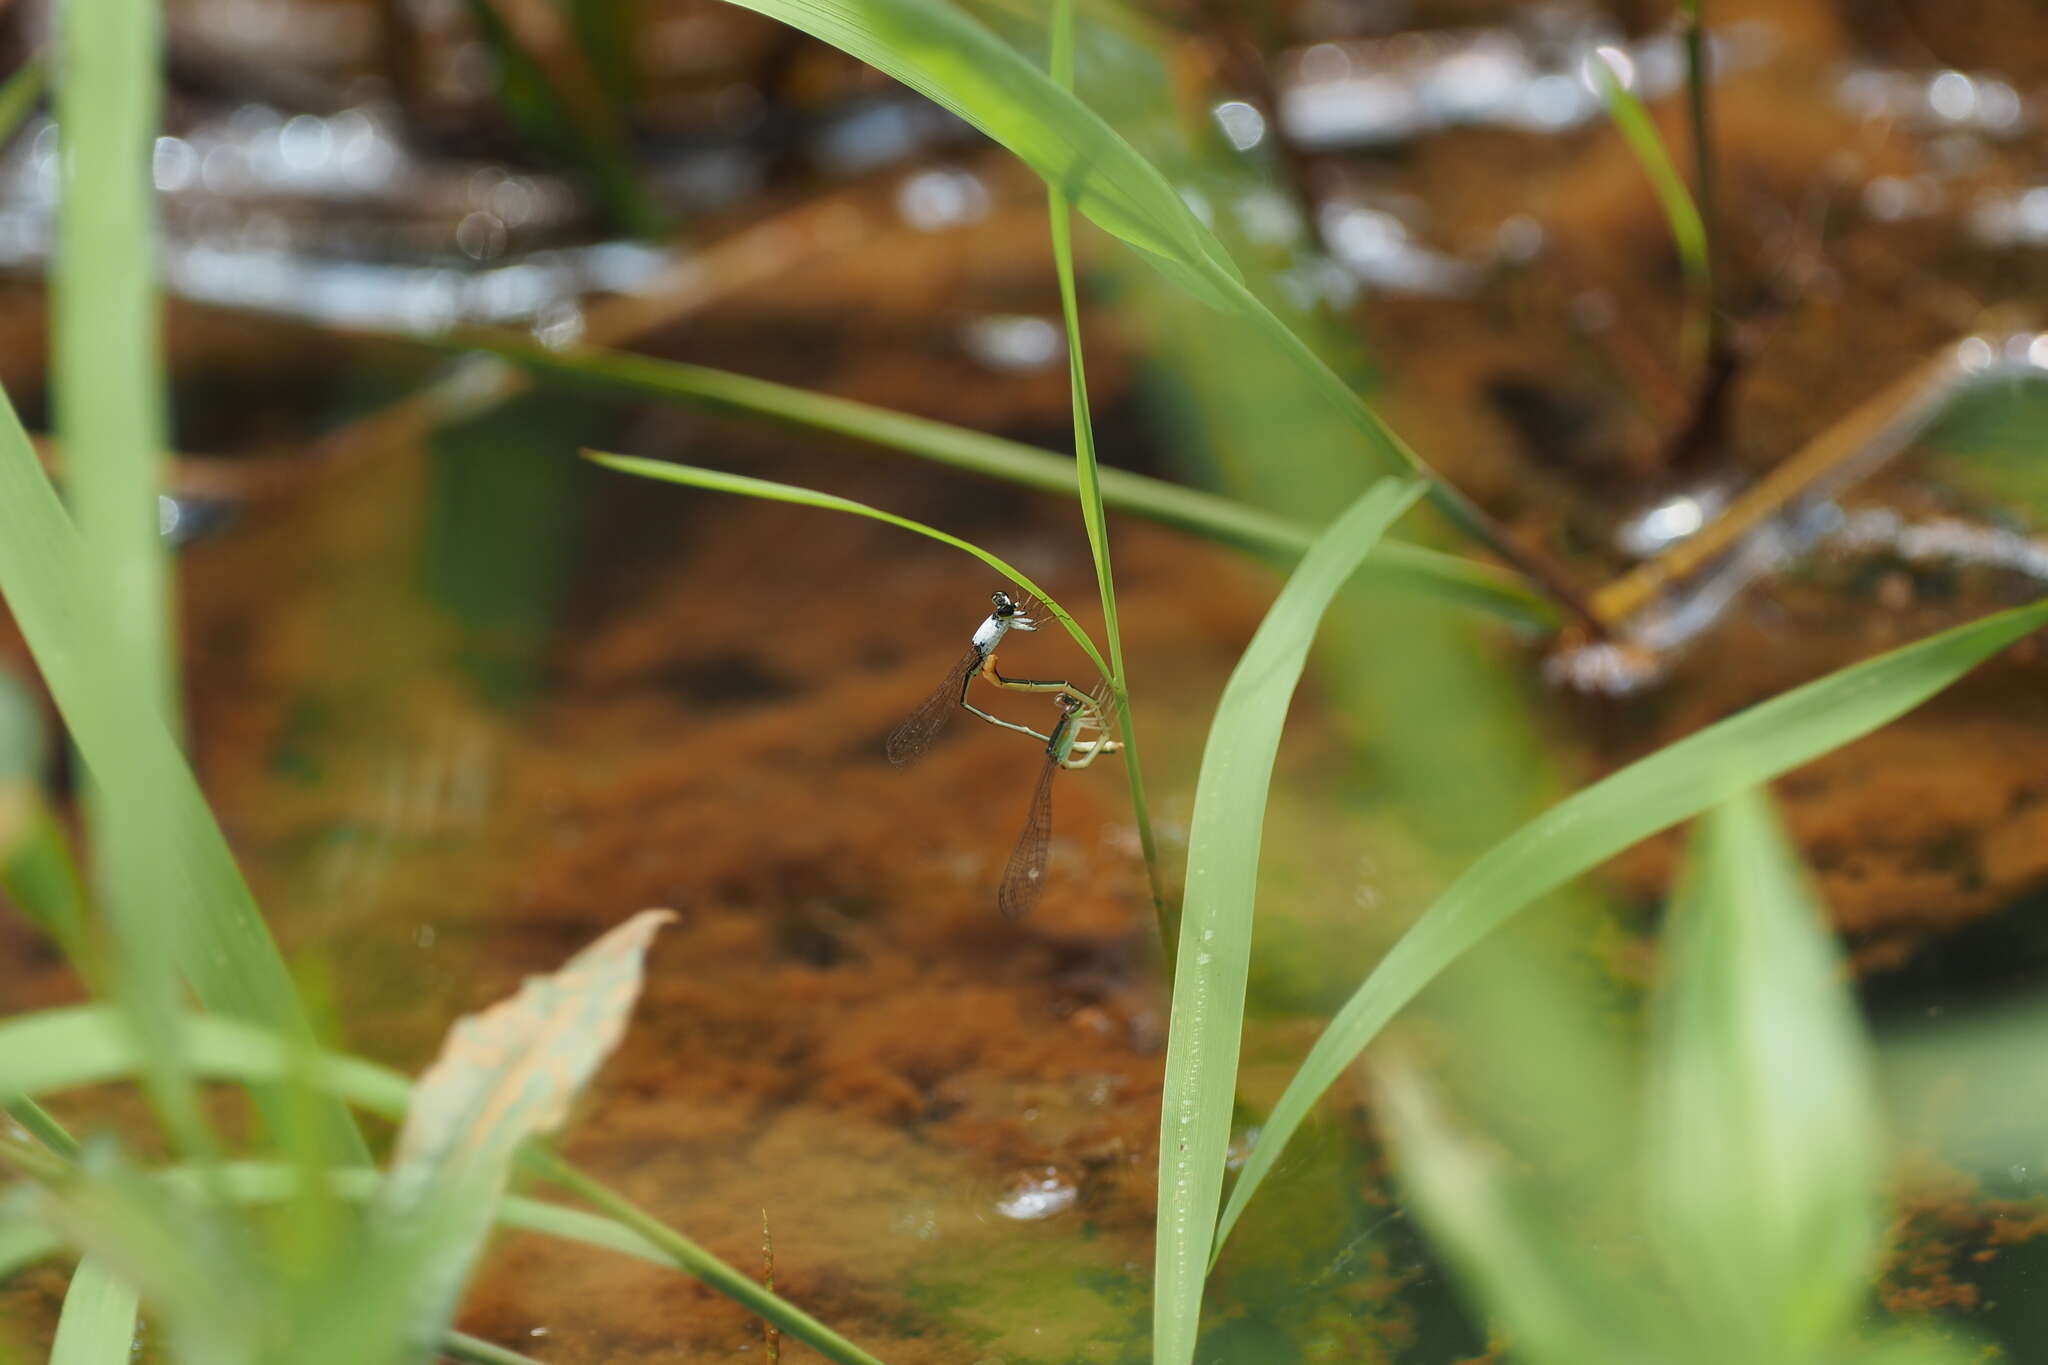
1468,582
690,476
1763,1142
1089,472
1586,829
20,93
1688,228
184,902
950,59
97,1326
108,379
955,61
1214,955
463,1346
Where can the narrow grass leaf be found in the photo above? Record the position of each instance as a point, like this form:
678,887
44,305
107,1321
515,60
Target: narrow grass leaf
1089,473
690,476
107,379
1763,1142
1468,582
1588,828
1688,228
97,1326
1214,954
194,910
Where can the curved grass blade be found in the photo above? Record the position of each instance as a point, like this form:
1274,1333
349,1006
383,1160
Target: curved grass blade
1216,912
97,1326
950,59
1468,582
20,93
957,62
67,1048
717,481
1588,828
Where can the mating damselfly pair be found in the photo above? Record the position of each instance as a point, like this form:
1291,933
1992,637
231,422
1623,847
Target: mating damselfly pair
1077,738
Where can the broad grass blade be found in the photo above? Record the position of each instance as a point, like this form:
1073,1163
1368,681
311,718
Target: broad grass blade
1588,828
1763,1136
950,59
97,1326
1214,955
181,903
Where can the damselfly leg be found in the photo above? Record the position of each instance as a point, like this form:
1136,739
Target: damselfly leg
1077,740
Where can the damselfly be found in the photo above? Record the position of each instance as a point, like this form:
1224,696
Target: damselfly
914,736
1077,740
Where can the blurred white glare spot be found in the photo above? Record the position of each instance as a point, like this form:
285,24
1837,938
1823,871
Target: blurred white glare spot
1519,240
1593,310
2037,352
1269,217
1888,198
305,143
1974,354
1324,62
1553,101
559,324
1952,96
1244,125
174,165
1036,1194
480,236
168,515
1013,341
1620,67
941,198
1198,204
1669,521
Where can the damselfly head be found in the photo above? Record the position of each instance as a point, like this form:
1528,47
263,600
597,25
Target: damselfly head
1011,612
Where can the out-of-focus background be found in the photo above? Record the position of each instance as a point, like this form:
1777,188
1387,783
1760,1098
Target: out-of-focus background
461,699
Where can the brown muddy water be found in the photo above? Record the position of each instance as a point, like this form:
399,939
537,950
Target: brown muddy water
461,704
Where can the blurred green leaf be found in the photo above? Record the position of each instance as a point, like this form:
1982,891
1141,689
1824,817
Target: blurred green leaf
97,1326
180,902
63,1049
20,93
1586,829
1763,1138
1214,954
1453,578
1513,1258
